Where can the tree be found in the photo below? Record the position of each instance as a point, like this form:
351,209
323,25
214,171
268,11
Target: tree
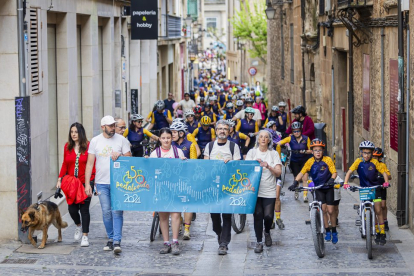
250,24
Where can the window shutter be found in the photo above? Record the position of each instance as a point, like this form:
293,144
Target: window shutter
321,7
34,50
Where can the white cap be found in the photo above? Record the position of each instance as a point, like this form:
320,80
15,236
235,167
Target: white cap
107,120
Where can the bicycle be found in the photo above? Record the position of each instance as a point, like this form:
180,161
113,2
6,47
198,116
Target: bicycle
316,220
366,208
238,222
285,158
155,226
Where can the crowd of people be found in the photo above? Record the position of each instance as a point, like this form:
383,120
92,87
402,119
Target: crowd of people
219,119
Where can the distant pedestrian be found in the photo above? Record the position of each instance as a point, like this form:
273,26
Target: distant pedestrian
169,102
106,146
75,157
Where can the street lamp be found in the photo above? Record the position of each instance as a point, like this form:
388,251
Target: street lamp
270,11
188,20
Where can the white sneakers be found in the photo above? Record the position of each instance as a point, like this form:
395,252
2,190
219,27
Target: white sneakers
85,241
78,233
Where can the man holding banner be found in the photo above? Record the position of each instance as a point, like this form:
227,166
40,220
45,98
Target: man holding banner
222,149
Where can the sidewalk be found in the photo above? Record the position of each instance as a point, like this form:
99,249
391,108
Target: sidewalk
292,251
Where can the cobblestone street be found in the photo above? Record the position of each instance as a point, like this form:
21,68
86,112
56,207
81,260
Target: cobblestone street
292,251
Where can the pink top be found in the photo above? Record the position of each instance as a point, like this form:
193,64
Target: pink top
261,107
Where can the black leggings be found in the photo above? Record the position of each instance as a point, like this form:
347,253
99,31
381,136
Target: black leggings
265,211
84,213
137,151
296,167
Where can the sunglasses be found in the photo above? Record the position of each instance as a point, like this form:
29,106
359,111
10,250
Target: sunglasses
190,115
296,131
139,122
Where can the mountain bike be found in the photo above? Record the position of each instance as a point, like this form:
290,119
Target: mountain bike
238,222
285,158
155,226
366,213
316,220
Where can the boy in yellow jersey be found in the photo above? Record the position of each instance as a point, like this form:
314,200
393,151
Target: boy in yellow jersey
378,154
322,170
368,169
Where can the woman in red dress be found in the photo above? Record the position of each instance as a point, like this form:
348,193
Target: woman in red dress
74,164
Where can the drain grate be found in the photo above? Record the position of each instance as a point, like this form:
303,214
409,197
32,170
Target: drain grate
19,261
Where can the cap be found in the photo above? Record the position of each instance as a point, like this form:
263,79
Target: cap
107,120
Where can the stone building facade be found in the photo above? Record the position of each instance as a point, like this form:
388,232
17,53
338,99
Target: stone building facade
308,44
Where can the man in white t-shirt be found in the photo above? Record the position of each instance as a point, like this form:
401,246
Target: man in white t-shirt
241,115
222,150
101,148
186,104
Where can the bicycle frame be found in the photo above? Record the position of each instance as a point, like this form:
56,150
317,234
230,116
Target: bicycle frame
367,205
317,205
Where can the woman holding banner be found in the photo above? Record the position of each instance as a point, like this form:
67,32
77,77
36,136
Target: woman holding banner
165,149
272,168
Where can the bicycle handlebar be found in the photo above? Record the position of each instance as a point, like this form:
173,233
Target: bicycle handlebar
356,188
318,187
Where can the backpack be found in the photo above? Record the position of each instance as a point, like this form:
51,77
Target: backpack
158,151
211,145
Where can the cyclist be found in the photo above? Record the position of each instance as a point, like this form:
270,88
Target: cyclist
135,134
197,113
161,117
257,115
229,111
207,112
215,106
306,121
248,127
191,123
322,170
300,147
236,137
239,106
378,154
202,103
368,169
285,119
205,133
189,149
229,100
275,116
222,98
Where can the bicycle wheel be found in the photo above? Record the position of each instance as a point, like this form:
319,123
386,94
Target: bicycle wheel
238,221
368,232
155,225
317,235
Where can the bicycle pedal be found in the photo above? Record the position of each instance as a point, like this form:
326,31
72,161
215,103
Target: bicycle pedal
358,222
356,206
307,222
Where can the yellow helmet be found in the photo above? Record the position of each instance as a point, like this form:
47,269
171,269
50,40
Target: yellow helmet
206,121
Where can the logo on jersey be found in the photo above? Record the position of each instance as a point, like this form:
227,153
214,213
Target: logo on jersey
323,168
370,168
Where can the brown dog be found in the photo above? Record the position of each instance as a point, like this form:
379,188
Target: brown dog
40,217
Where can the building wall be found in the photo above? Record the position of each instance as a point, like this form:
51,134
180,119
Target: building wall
334,53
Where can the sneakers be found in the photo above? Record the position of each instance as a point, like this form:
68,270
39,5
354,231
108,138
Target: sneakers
305,199
166,249
377,238
109,246
85,241
386,228
175,248
78,233
268,239
334,237
117,248
382,239
273,225
222,250
280,224
328,236
259,247
186,235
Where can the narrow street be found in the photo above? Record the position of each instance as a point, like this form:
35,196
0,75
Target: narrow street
292,251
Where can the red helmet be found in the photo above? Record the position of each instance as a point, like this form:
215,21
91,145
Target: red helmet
198,109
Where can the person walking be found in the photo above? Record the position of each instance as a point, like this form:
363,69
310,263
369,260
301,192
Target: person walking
75,157
222,149
269,160
186,104
165,149
102,148
169,102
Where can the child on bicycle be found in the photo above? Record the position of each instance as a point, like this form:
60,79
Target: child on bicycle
379,154
322,170
368,168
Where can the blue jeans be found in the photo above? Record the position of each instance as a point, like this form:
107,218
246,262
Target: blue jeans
113,220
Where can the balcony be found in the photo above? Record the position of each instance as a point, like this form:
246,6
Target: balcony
344,4
170,27
215,2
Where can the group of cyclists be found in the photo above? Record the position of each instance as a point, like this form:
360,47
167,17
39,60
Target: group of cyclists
246,113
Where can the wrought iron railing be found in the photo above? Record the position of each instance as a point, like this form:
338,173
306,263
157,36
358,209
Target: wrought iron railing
354,3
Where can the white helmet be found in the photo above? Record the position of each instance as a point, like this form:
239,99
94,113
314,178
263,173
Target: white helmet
178,126
270,124
136,117
188,113
179,120
231,122
239,103
366,145
160,105
275,108
282,104
229,105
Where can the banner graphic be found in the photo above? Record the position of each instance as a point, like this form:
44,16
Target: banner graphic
174,185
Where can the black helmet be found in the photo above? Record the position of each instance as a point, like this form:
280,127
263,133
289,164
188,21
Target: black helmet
207,104
299,110
378,152
296,125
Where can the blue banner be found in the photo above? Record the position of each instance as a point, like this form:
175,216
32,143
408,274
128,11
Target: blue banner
174,185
